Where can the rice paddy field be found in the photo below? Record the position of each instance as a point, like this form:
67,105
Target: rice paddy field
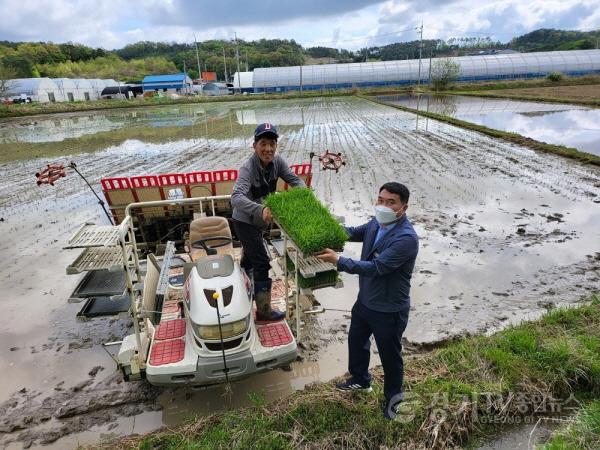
506,233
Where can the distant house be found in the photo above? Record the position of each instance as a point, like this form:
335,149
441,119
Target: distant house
178,83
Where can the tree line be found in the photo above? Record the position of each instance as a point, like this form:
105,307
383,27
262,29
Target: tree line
134,61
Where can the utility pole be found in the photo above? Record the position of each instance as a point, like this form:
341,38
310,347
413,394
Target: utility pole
420,51
429,79
237,57
225,64
246,55
198,59
184,74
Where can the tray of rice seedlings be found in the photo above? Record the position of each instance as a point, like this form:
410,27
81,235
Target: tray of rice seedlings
320,280
306,221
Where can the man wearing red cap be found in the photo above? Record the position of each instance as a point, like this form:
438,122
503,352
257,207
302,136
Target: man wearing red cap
257,178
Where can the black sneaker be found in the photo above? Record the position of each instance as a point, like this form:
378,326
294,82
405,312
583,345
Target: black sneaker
351,385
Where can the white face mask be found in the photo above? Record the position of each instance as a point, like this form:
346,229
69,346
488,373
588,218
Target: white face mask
384,215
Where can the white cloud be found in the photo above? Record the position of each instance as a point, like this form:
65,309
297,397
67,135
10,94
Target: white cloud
348,24
501,20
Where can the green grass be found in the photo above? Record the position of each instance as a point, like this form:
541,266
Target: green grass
446,390
306,221
581,433
515,138
524,83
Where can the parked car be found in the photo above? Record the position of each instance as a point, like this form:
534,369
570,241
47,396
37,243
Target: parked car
21,99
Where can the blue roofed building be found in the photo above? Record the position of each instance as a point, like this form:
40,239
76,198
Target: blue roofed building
178,83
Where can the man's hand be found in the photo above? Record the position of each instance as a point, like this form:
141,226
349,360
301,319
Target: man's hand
267,215
329,256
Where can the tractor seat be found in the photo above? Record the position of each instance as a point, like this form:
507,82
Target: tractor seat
207,227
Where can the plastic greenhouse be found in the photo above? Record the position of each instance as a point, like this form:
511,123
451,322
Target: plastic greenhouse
382,73
66,87
38,89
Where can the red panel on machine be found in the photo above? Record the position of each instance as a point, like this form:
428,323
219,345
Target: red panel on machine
301,169
172,179
199,177
274,334
111,184
144,181
167,352
170,329
225,175
170,307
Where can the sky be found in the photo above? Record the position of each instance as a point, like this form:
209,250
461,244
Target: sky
349,24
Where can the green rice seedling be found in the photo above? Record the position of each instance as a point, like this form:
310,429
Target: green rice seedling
304,218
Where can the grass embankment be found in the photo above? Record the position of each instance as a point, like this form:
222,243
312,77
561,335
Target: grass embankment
523,83
581,433
453,393
537,90
515,138
525,94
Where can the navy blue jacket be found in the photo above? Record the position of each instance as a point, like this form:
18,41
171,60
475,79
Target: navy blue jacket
384,269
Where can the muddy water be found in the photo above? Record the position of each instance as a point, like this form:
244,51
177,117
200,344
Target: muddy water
505,234
570,125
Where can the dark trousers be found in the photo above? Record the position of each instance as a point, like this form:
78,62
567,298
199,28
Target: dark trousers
387,328
255,254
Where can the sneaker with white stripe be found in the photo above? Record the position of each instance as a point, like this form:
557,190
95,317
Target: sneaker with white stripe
351,385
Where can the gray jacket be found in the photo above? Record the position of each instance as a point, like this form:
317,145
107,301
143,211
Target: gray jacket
254,182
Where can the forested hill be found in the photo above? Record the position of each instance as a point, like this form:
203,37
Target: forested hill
545,39
134,61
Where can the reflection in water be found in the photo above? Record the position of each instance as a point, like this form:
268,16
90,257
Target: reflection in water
25,138
179,404
569,125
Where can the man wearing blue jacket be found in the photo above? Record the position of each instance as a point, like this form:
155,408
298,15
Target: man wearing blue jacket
390,247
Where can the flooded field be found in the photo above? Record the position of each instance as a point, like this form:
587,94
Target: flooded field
505,234
570,125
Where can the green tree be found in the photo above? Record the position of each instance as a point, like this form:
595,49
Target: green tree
22,67
443,72
6,74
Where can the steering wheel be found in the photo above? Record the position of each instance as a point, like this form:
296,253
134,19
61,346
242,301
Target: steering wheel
203,243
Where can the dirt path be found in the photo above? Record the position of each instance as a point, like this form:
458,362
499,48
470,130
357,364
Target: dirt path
505,233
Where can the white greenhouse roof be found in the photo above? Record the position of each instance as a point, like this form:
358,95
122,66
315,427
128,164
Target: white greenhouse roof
471,67
29,86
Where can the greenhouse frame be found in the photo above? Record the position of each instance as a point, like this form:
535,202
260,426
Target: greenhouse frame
45,90
385,73
41,90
